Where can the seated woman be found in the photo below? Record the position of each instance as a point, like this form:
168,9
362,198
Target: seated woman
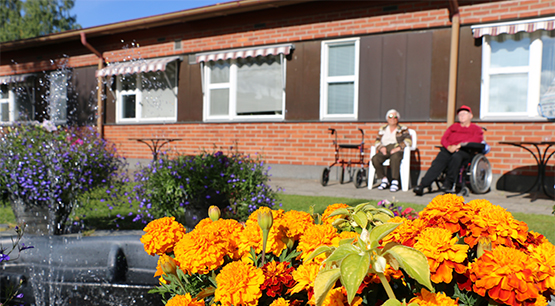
390,143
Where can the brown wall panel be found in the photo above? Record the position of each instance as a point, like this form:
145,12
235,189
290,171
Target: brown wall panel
189,95
419,67
110,103
370,78
302,91
470,71
394,72
84,82
440,74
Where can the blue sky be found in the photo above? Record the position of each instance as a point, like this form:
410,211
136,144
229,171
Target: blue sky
91,13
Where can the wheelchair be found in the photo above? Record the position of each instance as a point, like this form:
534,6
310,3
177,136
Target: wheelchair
475,174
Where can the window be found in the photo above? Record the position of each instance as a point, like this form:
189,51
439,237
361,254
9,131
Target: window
339,84
16,101
148,96
57,97
245,88
517,70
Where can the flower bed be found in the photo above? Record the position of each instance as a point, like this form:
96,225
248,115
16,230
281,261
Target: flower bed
454,253
44,168
185,186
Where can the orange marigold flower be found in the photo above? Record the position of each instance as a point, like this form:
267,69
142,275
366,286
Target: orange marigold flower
203,249
534,238
407,232
251,236
426,298
239,284
545,274
295,223
506,276
348,235
445,211
494,222
305,276
277,278
326,219
315,236
540,301
162,235
184,300
280,302
443,253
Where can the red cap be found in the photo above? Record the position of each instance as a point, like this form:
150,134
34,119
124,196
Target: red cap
464,108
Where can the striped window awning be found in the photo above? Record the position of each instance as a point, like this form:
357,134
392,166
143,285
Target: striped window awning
528,26
284,49
138,66
7,79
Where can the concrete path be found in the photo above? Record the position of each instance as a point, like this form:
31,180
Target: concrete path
526,203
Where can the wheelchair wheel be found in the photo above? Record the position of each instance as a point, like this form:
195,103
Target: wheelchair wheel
360,177
325,177
465,191
480,174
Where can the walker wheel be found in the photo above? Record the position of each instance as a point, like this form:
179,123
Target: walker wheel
325,177
360,178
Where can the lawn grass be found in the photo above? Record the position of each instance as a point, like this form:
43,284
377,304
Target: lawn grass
96,215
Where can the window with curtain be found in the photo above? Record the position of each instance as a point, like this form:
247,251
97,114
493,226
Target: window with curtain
245,88
148,97
339,85
16,102
518,73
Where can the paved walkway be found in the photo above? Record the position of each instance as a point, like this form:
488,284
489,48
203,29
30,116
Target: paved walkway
522,203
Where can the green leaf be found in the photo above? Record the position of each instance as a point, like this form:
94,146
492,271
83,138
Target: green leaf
346,241
338,221
381,231
382,217
360,219
343,251
353,270
323,283
414,263
319,250
381,210
392,302
340,211
363,207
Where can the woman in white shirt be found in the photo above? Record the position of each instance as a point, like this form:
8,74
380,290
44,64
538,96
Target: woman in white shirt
390,143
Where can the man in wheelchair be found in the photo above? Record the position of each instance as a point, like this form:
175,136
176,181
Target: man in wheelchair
453,152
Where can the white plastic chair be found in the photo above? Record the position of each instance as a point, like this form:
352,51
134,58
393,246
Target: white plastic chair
405,164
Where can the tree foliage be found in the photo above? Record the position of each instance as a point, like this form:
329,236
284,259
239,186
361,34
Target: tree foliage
20,19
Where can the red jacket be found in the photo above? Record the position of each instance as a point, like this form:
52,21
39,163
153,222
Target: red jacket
456,134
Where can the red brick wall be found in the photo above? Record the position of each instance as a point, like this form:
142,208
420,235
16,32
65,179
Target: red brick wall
311,143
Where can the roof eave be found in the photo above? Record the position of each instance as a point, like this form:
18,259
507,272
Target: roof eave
217,10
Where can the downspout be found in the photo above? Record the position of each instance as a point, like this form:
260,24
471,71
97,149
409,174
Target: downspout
100,110
453,60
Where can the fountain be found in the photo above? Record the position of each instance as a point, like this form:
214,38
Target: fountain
109,268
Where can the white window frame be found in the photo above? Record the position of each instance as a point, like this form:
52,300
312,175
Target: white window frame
232,86
52,107
139,97
11,104
326,80
534,79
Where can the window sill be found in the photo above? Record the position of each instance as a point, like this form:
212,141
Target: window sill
513,119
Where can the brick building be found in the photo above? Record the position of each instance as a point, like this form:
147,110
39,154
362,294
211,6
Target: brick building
270,77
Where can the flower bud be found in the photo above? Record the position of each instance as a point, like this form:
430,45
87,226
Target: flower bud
265,219
214,213
379,264
168,265
484,244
